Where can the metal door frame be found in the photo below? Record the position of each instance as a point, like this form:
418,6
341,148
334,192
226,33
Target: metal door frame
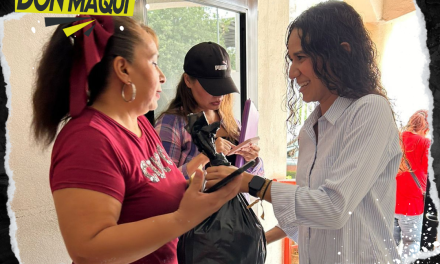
247,10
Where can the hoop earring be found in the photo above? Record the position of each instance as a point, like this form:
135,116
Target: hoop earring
133,94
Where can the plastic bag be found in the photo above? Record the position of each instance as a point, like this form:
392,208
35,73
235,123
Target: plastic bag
232,235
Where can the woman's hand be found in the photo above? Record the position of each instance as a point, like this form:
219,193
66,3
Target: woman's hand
197,206
274,234
217,173
249,153
223,146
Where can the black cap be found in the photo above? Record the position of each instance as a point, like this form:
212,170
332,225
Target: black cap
209,63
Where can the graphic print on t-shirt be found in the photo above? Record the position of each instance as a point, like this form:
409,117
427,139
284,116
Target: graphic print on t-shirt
155,164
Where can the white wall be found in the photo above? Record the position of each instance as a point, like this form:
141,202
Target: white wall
273,19
38,236
403,62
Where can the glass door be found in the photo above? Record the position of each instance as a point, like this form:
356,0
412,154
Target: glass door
183,24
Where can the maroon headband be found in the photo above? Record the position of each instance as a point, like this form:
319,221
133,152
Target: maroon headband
89,50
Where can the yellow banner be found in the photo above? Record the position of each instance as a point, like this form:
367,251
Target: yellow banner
75,7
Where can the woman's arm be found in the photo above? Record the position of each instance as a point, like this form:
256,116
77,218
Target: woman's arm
88,223
359,165
274,234
171,133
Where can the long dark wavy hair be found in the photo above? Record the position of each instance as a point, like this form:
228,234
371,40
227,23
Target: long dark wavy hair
351,74
50,98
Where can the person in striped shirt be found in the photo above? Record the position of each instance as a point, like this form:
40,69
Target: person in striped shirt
342,208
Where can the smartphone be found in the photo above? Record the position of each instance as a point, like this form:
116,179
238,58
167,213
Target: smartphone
230,177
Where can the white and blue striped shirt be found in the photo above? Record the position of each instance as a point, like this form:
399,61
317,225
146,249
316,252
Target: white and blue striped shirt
342,208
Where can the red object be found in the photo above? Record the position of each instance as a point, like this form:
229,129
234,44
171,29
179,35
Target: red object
89,50
287,243
95,152
409,198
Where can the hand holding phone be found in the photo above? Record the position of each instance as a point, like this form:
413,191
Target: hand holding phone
230,177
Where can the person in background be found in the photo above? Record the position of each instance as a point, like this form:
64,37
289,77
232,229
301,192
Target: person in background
118,196
206,85
342,208
408,216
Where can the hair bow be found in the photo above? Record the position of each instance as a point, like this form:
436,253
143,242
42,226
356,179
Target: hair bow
89,49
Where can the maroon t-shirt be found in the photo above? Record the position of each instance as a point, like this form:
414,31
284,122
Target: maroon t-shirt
95,152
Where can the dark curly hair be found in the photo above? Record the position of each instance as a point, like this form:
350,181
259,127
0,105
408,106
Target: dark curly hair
351,74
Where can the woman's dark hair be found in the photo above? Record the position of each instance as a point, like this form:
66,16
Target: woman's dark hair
51,94
184,104
351,74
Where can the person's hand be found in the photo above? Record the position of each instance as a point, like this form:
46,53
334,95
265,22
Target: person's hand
274,234
196,206
217,173
223,146
249,153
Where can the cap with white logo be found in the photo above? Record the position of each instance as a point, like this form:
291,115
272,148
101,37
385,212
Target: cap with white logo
209,63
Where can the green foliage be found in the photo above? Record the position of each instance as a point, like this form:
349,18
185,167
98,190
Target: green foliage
178,30
291,175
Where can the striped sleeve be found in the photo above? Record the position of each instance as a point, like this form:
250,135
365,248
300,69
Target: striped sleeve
292,232
362,157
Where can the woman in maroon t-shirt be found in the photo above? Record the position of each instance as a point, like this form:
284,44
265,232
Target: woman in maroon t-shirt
409,197
118,196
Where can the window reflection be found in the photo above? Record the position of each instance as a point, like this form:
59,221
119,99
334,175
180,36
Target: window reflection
181,25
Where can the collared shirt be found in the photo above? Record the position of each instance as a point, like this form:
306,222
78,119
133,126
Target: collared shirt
180,147
342,208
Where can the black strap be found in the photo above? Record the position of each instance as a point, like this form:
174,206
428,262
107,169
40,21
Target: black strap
413,175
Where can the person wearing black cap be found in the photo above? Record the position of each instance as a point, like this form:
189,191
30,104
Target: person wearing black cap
206,85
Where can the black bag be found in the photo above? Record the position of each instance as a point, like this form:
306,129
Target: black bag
232,235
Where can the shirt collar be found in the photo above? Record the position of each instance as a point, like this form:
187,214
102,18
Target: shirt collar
313,117
337,109
333,113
